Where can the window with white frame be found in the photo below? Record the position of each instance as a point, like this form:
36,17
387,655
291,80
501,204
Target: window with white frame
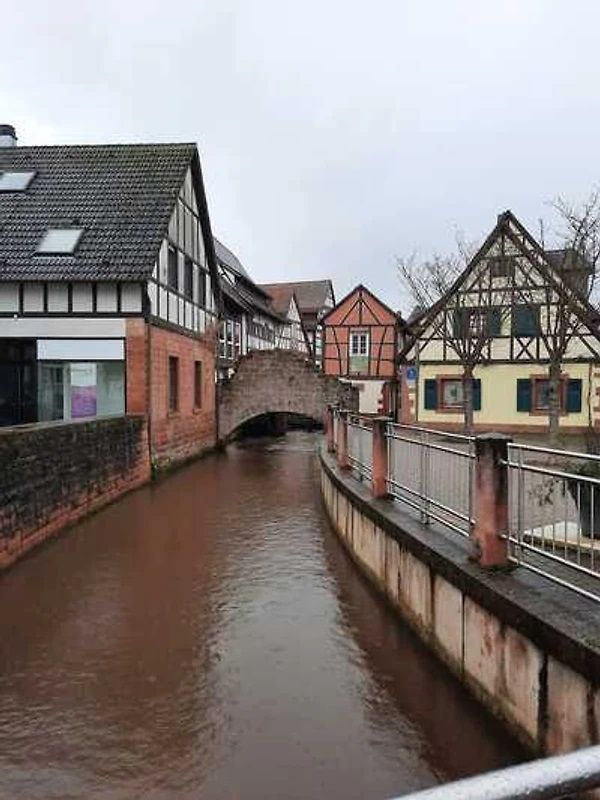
359,351
359,343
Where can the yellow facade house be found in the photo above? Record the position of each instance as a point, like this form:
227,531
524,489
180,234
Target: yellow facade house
507,311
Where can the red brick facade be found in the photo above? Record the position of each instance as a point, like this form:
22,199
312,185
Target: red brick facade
190,429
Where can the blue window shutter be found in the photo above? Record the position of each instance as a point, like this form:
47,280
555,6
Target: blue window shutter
430,400
574,395
523,394
476,394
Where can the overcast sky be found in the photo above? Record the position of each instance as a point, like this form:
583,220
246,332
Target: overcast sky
334,134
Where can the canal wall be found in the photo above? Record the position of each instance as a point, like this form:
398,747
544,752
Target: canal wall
55,473
529,650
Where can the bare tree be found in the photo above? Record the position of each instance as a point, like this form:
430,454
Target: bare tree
563,304
464,310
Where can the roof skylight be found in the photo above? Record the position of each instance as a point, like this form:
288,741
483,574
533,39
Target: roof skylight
15,181
60,241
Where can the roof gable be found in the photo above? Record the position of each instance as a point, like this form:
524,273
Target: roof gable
121,196
360,307
510,240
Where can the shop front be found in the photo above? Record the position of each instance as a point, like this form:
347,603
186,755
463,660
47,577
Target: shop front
60,379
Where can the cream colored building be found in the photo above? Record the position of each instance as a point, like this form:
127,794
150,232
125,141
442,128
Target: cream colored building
507,303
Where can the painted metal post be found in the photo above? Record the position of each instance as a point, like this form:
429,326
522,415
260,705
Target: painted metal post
329,429
491,527
342,440
380,456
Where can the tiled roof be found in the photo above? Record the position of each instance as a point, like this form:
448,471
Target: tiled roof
121,195
229,259
281,296
310,295
567,259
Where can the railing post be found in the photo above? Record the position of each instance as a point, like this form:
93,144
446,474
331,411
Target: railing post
329,428
379,463
342,441
490,531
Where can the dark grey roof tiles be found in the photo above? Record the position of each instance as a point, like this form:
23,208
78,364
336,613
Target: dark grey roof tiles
229,259
121,195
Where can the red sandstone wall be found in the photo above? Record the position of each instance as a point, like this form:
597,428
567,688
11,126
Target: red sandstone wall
176,436
56,473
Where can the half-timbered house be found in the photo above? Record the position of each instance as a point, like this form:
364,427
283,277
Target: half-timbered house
314,299
108,289
251,321
360,344
511,301
283,300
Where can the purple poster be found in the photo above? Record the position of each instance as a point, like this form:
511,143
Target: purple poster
83,390
83,401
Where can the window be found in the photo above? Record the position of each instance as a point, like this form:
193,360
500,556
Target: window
526,321
501,266
15,181
447,394
359,352
188,278
201,300
77,389
197,384
452,394
533,395
60,241
541,394
172,269
477,322
173,383
359,343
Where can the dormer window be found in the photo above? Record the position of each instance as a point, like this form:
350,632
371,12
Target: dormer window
15,181
60,241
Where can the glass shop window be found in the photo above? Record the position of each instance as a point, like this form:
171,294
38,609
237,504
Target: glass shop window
77,389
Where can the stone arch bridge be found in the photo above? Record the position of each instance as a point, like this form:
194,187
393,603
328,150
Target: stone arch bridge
278,381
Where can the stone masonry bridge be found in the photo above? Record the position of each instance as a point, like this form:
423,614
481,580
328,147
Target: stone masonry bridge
278,381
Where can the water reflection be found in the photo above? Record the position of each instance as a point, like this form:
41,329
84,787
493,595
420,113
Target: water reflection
207,637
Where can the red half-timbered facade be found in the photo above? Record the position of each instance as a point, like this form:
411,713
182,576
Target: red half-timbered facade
360,344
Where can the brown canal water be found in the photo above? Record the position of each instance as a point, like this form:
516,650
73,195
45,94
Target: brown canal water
208,637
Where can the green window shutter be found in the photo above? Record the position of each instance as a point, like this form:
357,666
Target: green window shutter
430,400
523,394
476,394
494,321
574,395
526,321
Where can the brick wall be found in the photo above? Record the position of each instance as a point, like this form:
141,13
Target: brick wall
55,473
190,430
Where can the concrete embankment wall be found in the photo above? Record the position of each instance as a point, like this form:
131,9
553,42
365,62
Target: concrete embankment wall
53,474
528,649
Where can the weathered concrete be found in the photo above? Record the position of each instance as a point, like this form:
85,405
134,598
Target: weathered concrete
272,381
529,650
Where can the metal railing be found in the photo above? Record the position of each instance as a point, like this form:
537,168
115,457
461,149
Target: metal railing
360,445
554,501
554,777
543,503
432,472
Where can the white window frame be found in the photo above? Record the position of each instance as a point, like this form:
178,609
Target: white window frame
359,343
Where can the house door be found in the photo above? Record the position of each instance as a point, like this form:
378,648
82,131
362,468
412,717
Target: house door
17,382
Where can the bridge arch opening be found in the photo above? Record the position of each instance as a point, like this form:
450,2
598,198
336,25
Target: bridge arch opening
275,423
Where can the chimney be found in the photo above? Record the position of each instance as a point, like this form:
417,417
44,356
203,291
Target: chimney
8,136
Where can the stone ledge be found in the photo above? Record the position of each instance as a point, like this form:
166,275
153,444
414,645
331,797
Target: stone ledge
554,618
